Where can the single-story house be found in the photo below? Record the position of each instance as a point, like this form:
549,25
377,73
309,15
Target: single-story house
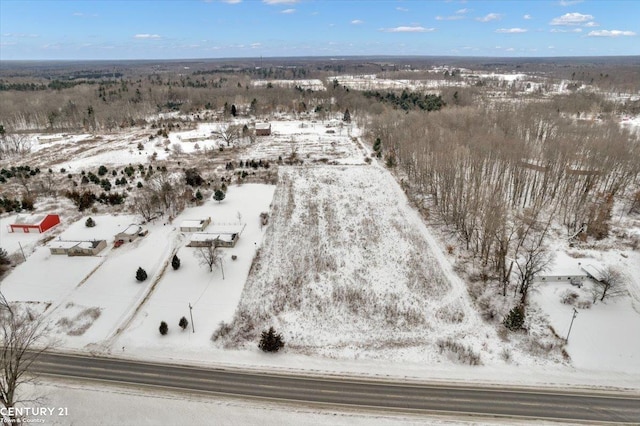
221,236
77,248
195,225
263,129
34,223
130,233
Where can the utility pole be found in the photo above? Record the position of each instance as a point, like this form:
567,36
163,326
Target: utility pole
221,268
191,315
575,313
22,250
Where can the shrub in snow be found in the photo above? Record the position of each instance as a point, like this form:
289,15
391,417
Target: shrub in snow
270,341
183,323
141,274
175,262
515,319
164,328
90,223
569,297
218,195
458,352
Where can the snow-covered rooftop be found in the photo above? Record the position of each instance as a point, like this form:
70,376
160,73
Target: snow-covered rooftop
33,219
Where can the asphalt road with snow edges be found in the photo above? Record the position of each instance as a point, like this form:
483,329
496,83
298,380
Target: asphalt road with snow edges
386,395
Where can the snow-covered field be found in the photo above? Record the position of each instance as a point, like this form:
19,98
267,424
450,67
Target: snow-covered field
311,84
310,141
373,82
349,270
367,282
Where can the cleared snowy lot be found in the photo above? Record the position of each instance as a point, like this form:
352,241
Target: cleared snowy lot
349,270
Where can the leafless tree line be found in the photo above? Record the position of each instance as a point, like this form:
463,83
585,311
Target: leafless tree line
500,176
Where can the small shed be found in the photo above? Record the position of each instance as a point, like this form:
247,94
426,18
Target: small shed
194,225
77,248
263,129
130,233
34,223
593,272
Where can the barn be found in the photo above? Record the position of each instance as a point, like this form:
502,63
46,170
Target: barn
263,129
34,223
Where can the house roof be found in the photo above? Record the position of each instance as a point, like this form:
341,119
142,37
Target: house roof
192,223
263,126
63,244
131,230
210,236
593,271
32,219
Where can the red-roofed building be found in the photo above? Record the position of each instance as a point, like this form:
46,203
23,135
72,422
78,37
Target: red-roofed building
34,223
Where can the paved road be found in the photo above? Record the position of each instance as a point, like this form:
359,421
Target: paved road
575,406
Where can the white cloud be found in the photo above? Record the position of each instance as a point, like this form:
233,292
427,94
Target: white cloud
571,19
569,2
490,17
449,18
511,30
407,29
287,11
402,9
255,45
147,36
232,1
591,24
280,1
558,30
527,17
611,33
463,11
357,22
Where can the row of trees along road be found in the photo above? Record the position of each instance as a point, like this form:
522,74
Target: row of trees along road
501,176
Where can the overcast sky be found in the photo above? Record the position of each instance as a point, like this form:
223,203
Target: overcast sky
185,29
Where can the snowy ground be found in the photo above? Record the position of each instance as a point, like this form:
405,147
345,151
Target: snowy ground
309,141
349,271
355,204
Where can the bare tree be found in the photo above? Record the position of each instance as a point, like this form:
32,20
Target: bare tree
208,256
23,336
14,144
230,133
613,283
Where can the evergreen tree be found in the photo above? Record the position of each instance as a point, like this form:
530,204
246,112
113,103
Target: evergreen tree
199,195
164,328
218,195
141,274
515,319
4,257
175,262
90,223
377,147
234,111
347,116
183,323
271,341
